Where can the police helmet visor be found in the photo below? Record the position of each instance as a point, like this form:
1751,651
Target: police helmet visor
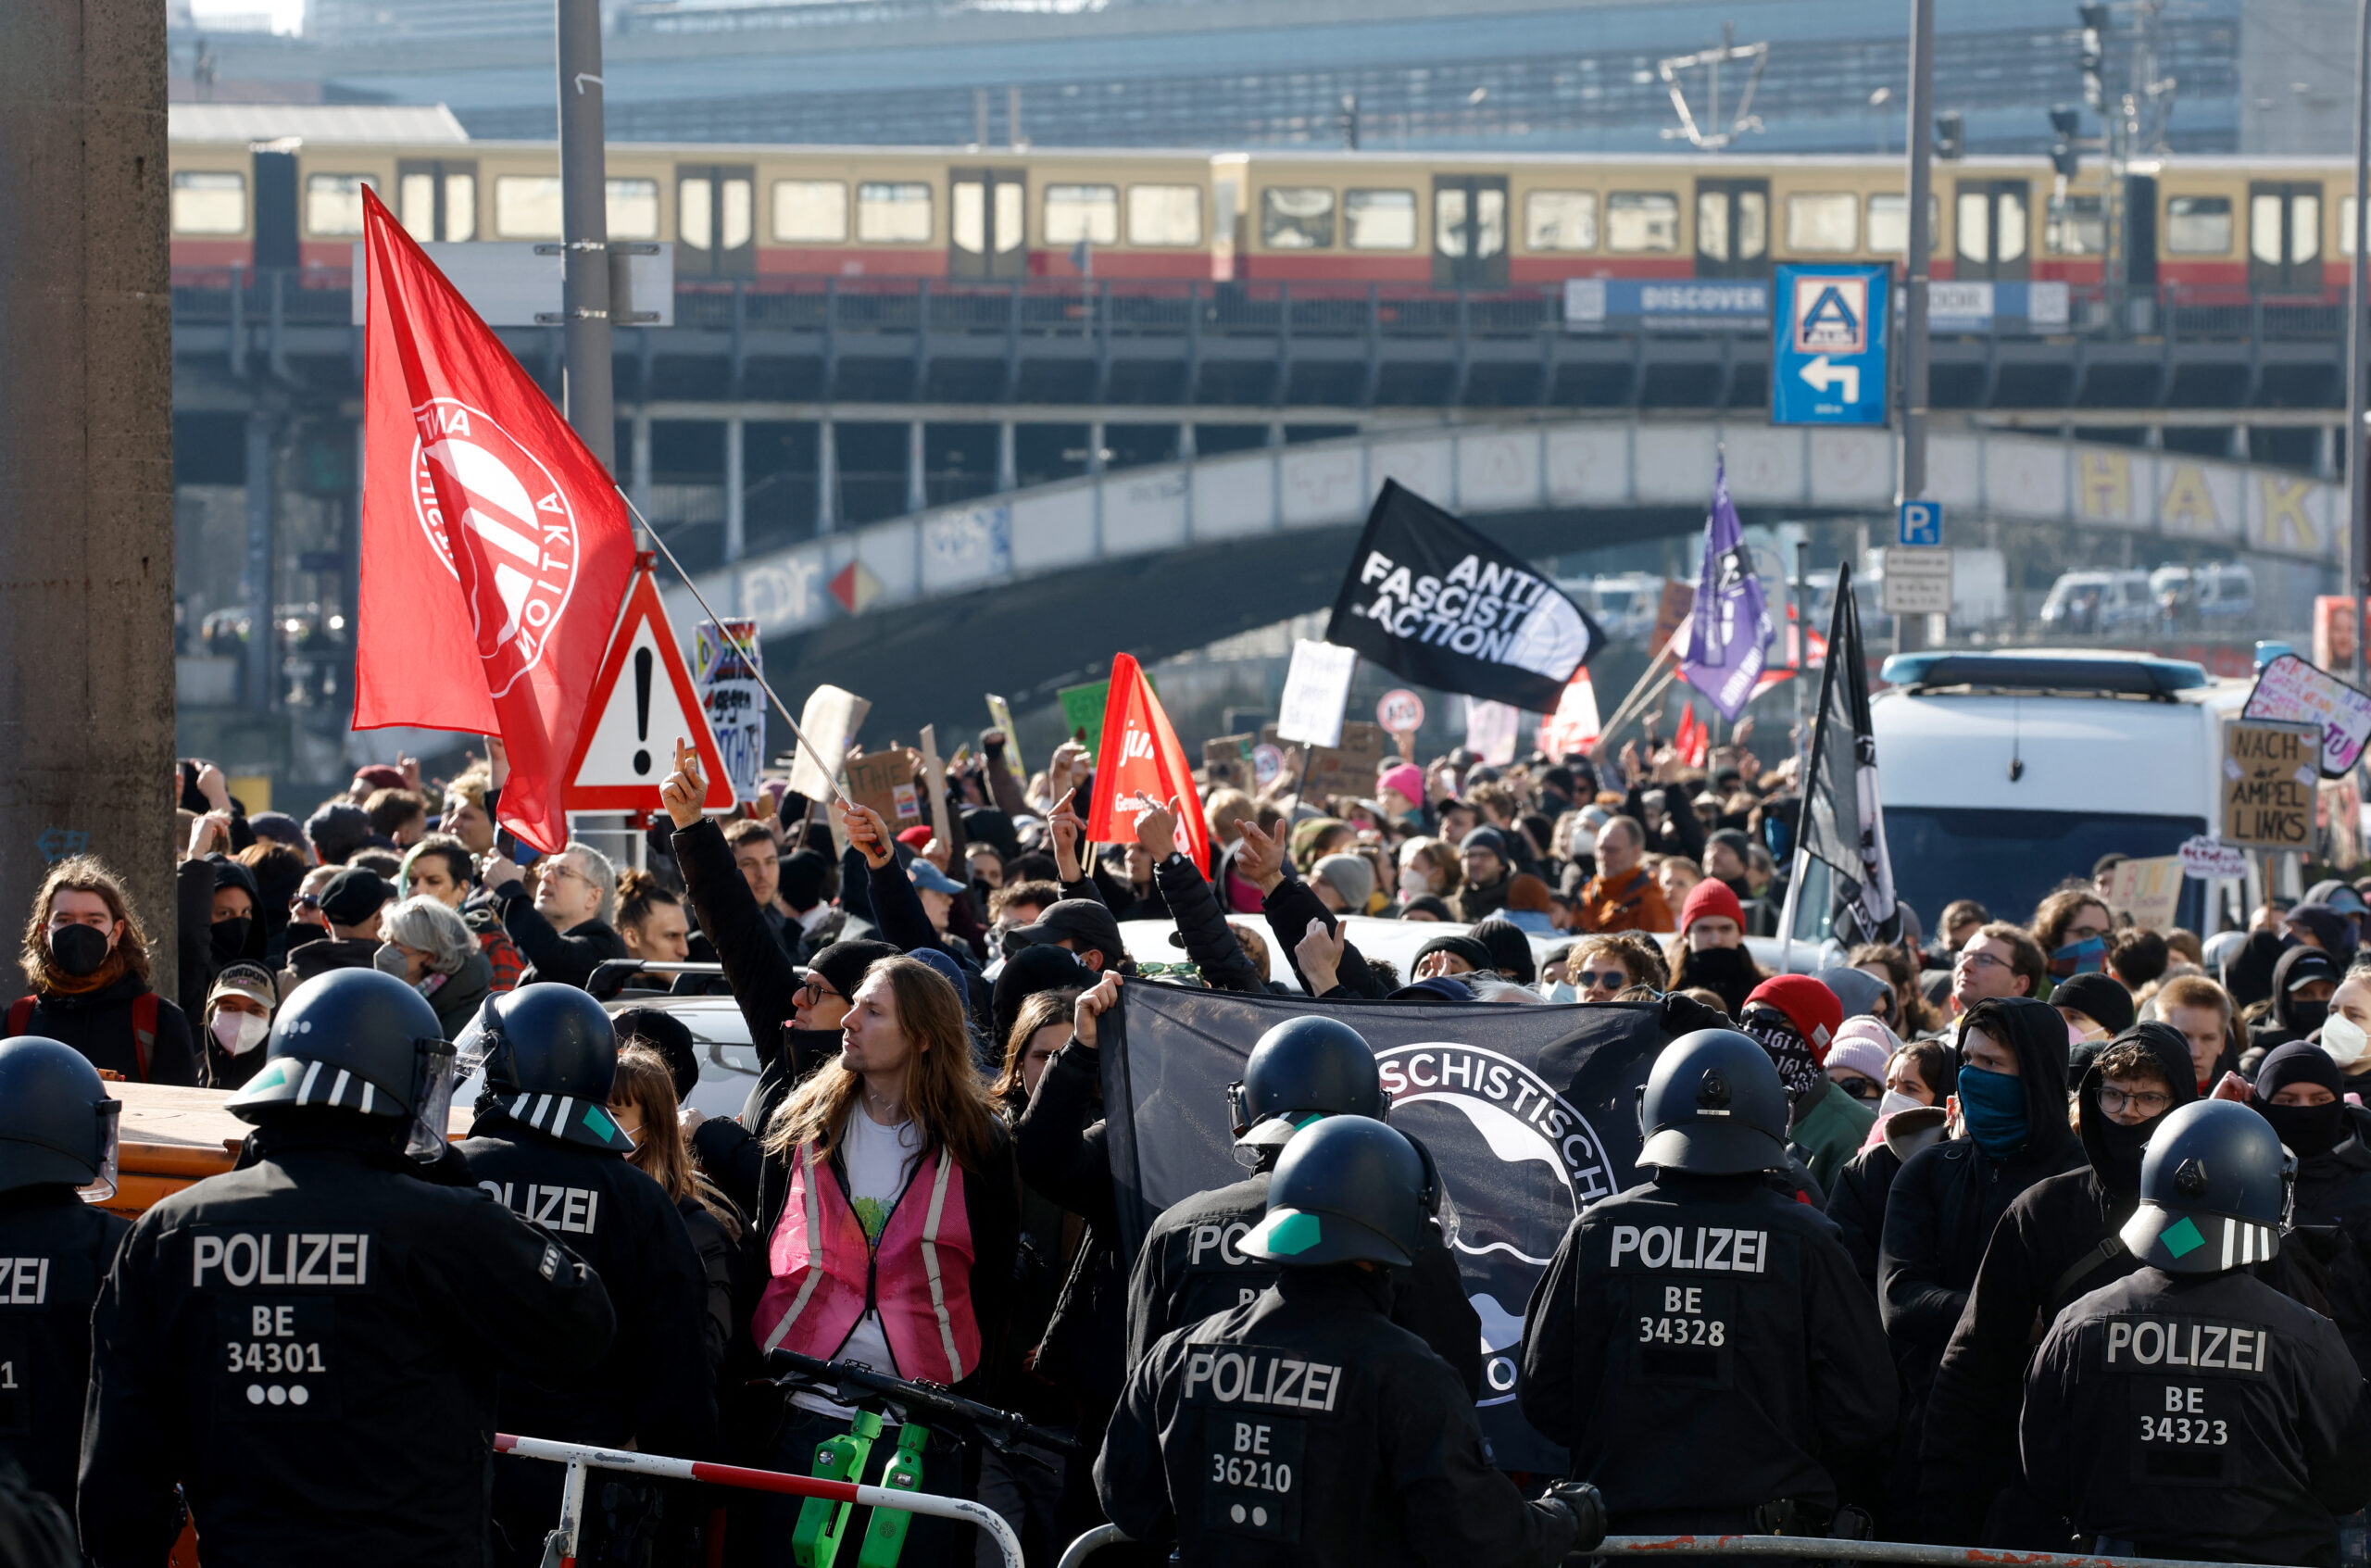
102,1184
1308,1237
432,1100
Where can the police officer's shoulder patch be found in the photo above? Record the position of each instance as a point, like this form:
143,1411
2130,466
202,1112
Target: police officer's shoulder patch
550,1267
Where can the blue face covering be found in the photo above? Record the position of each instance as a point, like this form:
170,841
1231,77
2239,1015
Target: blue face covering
1993,1104
2087,957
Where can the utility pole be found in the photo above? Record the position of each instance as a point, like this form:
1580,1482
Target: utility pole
584,231
2358,484
1910,630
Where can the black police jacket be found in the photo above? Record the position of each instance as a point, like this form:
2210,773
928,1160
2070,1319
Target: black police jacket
54,1250
1725,1320
654,1388
2199,1416
1304,1428
1188,1269
307,1346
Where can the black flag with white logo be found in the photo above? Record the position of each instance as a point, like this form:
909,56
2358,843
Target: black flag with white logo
1430,599
1844,816
1530,1113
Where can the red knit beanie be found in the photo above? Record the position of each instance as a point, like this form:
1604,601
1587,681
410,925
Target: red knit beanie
1809,1005
1710,898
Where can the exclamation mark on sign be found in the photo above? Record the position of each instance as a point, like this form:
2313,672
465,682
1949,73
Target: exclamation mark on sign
642,662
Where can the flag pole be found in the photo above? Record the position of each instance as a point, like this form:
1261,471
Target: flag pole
724,629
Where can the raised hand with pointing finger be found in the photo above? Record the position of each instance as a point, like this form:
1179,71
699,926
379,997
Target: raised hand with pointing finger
681,791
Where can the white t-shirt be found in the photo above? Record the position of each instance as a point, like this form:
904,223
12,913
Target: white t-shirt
878,1159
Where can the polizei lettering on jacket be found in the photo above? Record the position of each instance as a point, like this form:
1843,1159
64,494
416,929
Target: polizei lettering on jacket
558,1208
240,1258
1215,1375
1716,1249
2186,1342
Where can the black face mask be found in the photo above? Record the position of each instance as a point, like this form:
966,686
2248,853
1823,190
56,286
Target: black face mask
231,937
2123,1147
78,949
2307,1129
2306,1017
300,935
1727,971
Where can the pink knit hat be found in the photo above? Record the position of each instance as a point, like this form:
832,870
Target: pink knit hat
1406,779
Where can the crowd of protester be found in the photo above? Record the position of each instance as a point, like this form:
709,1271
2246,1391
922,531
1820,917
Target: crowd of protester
922,1001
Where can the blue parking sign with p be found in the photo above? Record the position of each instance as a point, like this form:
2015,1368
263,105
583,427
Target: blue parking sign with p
1921,523
1829,350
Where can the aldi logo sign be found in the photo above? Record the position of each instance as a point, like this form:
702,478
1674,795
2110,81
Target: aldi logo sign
1830,314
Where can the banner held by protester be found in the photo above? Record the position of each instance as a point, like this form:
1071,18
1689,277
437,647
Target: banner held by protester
1530,1112
1728,629
1429,599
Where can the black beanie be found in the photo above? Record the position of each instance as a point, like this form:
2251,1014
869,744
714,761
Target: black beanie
2101,998
1510,948
802,879
844,963
1039,967
1464,946
665,1034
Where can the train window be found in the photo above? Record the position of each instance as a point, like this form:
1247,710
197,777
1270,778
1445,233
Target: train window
1560,220
2198,225
1453,228
2302,223
893,212
1297,217
633,209
334,203
526,207
1081,212
1380,219
1638,220
1889,223
815,211
208,201
2346,226
1823,221
2076,226
1164,215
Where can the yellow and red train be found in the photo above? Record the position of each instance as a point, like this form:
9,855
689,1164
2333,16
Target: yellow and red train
787,217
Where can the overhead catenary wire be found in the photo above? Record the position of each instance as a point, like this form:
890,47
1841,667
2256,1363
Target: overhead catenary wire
831,771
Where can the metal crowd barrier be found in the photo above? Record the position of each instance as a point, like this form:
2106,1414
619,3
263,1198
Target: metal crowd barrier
560,1551
1811,1547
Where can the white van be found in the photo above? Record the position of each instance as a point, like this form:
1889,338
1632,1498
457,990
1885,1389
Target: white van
2004,773
2088,603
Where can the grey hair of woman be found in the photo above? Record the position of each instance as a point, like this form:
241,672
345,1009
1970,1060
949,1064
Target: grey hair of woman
1495,989
595,867
420,921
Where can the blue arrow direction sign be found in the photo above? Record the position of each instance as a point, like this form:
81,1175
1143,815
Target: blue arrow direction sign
1828,327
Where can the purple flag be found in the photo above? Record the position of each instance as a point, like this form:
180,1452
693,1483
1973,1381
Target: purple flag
1730,624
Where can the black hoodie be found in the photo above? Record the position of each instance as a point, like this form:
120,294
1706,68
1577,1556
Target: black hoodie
2287,1023
2055,1242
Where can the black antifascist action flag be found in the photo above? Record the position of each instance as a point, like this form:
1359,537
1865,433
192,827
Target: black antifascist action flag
1844,819
1430,599
1531,1114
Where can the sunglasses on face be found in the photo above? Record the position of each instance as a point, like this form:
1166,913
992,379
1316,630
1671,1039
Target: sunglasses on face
1600,979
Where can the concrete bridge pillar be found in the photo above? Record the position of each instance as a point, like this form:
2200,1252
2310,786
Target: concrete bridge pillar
737,517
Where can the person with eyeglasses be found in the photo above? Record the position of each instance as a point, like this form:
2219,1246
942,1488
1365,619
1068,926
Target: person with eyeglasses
1997,959
563,929
2056,1241
1601,968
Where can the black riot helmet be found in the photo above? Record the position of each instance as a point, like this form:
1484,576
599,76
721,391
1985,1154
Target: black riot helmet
550,1054
1713,1107
1347,1190
1304,1067
360,1042
2215,1187
57,1126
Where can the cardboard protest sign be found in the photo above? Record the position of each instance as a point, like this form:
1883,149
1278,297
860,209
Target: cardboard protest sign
2292,691
1082,711
830,720
2147,890
2269,779
885,781
1348,769
1227,760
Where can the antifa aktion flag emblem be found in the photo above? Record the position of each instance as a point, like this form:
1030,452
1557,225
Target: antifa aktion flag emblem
1530,1115
496,551
1844,818
1429,599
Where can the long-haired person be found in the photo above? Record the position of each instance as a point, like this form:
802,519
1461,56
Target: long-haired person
891,1213
87,957
641,1101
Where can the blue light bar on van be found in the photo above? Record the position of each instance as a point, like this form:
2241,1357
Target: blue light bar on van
2042,671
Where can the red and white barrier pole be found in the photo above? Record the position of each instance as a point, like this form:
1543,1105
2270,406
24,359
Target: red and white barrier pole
578,1457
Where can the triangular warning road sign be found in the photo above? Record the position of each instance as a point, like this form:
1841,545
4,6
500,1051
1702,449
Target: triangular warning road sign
642,700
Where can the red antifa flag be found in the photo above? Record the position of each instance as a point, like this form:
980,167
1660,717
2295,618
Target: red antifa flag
1694,740
497,625
1141,757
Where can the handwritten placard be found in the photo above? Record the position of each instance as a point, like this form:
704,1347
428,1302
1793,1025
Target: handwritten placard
2208,859
2268,783
2147,890
2292,691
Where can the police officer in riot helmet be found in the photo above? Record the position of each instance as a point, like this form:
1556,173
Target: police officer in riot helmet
57,1132
1192,1265
1719,1315
2189,1409
1303,1426
543,1143
307,1346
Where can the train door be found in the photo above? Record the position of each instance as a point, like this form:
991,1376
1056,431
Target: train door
275,208
716,220
1733,228
2284,237
1469,231
437,198
987,231
1988,226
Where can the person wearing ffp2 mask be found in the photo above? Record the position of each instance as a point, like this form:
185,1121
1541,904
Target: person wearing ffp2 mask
238,1022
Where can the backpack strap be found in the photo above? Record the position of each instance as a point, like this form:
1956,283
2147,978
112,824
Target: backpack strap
21,1015
144,1029
2105,1251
